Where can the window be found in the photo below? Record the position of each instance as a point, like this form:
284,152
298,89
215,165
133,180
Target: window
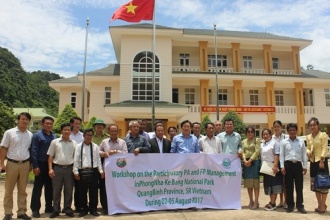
279,98
327,97
247,62
184,59
107,95
275,63
222,96
142,77
254,99
210,96
257,130
73,99
175,95
221,60
190,96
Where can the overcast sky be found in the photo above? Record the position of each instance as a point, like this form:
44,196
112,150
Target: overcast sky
49,35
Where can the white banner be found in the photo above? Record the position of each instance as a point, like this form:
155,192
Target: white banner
172,181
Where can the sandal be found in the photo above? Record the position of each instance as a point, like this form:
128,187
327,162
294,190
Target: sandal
255,206
280,205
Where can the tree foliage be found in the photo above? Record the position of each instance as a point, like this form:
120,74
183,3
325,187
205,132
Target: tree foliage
7,118
310,67
64,117
205,120
90,123
239,126
19,88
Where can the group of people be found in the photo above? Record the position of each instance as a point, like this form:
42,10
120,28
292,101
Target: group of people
74,161
287,156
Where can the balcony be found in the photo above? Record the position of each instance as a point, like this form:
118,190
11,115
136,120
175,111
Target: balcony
283,72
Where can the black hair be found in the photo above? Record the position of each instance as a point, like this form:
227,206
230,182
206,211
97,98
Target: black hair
277,122
207,124
316,121
47,118
184,122
75,118
169,128
88,130
251,128
65,125
291,125
26,114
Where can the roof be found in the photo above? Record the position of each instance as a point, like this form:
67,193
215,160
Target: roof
148,104
35,112
110,70
226,33
315,74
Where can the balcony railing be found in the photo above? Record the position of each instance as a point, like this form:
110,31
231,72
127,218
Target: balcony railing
186,68
255,71
278,109
221,69
283,72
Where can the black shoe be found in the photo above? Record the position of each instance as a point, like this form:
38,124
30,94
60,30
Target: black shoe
302,210
36,214
70,214
24,216
7,217
95,213
82,213
105,212
49,210
54,215
288,210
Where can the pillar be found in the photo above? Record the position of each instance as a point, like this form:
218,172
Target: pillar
268,63
270,101
236,52
204,93
296,59
122,128
203,56
299,97
238,100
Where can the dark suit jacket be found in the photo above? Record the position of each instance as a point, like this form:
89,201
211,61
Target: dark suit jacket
155,147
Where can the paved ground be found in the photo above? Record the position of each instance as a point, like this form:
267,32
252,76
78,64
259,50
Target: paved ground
245,213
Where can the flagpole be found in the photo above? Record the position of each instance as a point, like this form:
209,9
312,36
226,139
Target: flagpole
84,75
216,69
153,64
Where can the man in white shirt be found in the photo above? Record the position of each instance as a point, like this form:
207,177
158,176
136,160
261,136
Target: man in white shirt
87,158
78,137
210,144
15,146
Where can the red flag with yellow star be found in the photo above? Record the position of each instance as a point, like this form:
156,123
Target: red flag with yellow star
135,11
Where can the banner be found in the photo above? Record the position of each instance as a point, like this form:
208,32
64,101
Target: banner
172,181
252,109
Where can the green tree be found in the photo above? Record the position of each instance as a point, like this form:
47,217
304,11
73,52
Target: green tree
205,120
7,118
91,122
239,126
64,117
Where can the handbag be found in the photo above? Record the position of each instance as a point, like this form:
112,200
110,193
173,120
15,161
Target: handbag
322,180
86,175
267,168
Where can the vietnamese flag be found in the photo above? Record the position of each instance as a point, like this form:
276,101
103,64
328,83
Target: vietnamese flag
135,11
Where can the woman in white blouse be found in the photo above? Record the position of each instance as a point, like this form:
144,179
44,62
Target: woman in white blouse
270,151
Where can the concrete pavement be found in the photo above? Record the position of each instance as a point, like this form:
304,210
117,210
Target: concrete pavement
244,213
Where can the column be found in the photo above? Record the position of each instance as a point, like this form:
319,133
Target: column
203,56
236,53
268,58
296,59
299,97
270,101
122,128
238,100
204,93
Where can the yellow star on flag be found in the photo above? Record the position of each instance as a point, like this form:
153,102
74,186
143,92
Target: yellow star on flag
131,8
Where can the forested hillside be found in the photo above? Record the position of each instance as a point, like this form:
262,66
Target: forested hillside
19,89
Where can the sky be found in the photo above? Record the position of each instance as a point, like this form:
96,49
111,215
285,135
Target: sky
49,35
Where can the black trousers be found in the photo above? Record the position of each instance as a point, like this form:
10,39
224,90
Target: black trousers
76,195
92,189
40,181
103,191
294,178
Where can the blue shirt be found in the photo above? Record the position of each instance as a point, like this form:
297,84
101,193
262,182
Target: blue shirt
231,143
39,147
182,144
138,142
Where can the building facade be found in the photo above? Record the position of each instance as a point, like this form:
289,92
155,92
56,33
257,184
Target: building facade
259,77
